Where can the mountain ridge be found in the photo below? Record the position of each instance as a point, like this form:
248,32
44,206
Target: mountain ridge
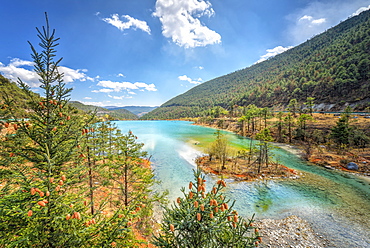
333,67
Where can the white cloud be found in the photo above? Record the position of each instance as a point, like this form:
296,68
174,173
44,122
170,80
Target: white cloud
103,91
130,22
273,52
186,78
71,75
318,21
120,97
87,98
110,86
13,71
306,17
180,22
148,87
99,104
18,68
120,75
308,20
318,16
360,10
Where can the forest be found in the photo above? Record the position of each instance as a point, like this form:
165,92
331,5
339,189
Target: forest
71,179
332,67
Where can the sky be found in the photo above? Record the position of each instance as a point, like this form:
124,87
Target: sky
145,52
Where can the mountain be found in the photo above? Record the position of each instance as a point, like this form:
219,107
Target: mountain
333,67
137,110
120,114
12,91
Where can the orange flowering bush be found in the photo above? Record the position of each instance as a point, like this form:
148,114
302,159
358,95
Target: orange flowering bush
205,219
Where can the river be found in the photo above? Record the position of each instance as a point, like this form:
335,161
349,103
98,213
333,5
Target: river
336,204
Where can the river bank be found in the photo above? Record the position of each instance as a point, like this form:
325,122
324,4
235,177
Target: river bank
321,155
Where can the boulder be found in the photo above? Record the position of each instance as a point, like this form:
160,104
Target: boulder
352,166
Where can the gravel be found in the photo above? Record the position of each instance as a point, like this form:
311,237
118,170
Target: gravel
289,232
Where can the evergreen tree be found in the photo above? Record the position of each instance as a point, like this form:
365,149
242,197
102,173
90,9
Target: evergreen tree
201,219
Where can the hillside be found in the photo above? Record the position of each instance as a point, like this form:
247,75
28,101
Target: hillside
120,114
137,110
11,91
333,67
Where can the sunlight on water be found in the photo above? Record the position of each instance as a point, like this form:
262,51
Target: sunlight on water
336,204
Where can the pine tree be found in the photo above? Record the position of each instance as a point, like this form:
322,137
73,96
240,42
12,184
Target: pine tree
205,219
37,196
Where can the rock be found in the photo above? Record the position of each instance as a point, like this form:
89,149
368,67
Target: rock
352,166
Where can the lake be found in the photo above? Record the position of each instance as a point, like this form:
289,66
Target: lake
336,204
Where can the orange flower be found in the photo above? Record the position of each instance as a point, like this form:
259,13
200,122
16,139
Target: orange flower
196,204
68,216
172,228
113,244
29,213
42,203
64,178
178,200
51,179
216,209
199,216
202,207
47,193
235,218
211,215
61,182
41,194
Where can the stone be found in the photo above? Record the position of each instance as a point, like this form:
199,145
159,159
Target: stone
352,166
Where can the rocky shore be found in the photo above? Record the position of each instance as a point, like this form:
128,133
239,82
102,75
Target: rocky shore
290,232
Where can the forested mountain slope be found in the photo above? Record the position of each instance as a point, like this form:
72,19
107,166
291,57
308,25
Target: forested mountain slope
10,90
121,114
333,67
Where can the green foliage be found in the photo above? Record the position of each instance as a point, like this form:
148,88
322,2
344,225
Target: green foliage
331,67
52,163
201,219
219,148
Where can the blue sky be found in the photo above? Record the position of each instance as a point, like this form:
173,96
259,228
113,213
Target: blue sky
145,52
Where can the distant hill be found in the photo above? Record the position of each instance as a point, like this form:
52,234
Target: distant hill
12,91
333,67
120,114
137,110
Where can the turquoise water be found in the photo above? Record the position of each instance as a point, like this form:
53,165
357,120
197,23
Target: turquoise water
336,204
